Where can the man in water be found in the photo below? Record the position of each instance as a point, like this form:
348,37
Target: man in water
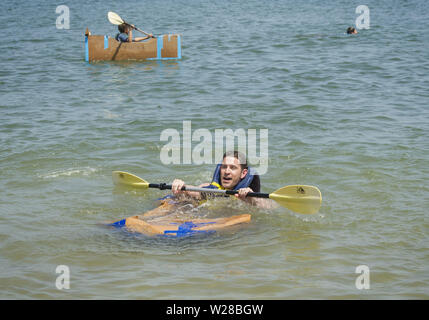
232,174
126,34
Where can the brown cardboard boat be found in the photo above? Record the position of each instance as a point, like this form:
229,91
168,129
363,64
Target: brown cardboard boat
154,223
105,48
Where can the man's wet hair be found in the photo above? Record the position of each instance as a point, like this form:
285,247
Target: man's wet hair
238,155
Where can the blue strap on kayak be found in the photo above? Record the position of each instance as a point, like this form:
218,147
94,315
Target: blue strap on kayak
106,42
86,49
179,48
185,229
159,47
119,224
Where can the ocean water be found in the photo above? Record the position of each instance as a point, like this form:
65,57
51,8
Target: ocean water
348,114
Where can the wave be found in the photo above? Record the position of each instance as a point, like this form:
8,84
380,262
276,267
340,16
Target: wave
85,171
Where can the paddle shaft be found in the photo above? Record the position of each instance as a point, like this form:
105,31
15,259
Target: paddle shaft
163,186
134,27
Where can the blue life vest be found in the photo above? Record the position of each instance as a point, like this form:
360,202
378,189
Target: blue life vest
244,183
122,37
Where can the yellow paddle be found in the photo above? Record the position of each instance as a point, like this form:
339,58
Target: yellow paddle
298,198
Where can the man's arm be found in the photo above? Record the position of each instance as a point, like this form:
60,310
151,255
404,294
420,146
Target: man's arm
177,185
262,203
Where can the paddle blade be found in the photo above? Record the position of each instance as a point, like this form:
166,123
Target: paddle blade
114,18
299,198
128,179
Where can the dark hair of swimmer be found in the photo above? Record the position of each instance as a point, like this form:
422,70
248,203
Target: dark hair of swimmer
122,28
351,30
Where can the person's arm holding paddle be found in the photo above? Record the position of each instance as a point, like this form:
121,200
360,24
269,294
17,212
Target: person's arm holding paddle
177,186
259,202
141,38
137,39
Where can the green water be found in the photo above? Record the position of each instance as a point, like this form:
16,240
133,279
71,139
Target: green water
346,114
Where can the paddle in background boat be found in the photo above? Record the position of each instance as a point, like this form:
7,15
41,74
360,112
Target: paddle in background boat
298,198
115,19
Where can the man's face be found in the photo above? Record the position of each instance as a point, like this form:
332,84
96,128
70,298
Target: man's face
231,173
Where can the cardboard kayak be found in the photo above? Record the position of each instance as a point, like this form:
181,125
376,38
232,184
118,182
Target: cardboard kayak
105,48
156,222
